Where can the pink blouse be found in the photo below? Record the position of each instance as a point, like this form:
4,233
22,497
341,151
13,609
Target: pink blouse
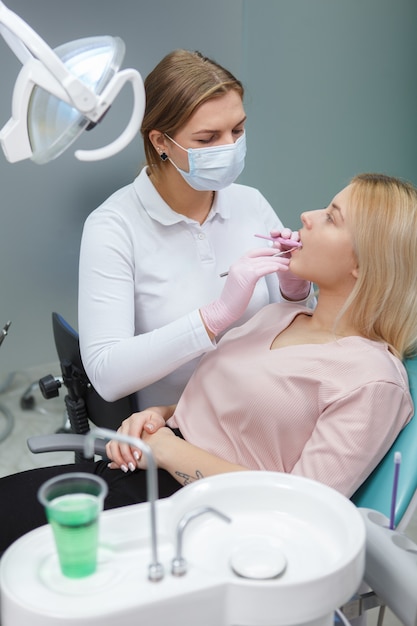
325,411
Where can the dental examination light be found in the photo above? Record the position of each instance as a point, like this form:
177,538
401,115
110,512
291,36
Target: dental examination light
62,92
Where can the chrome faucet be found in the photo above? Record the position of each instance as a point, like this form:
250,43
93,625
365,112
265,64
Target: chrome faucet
179,564
155,570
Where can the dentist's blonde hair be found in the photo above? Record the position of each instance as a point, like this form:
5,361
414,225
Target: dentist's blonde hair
383,221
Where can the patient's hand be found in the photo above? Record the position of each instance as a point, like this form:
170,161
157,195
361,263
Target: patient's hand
158,443
122,455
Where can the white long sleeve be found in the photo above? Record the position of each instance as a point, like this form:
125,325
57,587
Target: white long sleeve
144,273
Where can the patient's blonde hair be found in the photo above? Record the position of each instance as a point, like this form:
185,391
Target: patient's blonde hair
383,220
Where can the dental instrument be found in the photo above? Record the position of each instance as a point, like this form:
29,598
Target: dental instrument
397,463
60,93
281,240
223,274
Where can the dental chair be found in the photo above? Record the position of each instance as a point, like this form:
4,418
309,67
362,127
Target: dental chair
83,404
375,493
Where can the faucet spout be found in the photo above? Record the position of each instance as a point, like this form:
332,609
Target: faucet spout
179,564
155,571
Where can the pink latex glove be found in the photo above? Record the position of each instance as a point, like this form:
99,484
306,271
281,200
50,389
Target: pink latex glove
239,287
292,287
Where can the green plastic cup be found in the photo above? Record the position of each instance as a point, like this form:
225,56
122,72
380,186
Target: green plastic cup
73,503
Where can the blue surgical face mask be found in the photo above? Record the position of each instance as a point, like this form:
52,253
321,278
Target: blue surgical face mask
214,168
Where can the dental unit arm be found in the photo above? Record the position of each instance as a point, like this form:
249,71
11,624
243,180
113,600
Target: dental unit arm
4,331
390,571
43,69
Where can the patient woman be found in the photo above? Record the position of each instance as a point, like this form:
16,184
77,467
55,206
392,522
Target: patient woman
321,394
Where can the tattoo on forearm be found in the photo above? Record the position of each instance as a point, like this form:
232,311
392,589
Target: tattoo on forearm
186,479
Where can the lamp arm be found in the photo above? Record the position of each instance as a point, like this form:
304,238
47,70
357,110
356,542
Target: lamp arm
105,100
43,68
31,43
15,44
36,73
14,136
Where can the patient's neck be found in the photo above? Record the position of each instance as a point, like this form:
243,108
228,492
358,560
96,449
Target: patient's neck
327,317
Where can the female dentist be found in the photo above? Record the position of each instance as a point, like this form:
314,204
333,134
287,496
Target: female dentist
151,298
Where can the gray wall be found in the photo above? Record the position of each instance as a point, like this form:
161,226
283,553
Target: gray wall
44,206
330,91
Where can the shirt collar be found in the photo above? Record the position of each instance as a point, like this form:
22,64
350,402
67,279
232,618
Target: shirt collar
161,212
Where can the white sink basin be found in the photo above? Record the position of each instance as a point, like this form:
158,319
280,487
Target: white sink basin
298,547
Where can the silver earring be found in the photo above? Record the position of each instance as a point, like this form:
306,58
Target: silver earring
163,156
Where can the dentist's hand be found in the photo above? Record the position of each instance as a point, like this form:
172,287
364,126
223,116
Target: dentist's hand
239,287
284,239
292,287
122,455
